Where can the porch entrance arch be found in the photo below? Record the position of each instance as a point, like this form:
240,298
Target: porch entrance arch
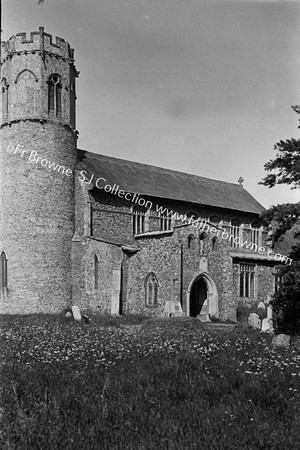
202,296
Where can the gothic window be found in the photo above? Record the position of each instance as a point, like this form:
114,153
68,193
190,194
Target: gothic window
235,233
255,233
3,270
4,93
165,221
96,272
151,288
54,95
139,219
247,280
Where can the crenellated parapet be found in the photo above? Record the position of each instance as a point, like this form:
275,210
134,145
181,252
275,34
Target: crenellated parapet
40,43
37,79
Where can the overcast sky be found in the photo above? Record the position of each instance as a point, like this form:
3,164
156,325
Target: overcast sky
203,87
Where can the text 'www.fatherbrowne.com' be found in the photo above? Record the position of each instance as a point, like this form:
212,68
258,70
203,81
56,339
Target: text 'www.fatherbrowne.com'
100,183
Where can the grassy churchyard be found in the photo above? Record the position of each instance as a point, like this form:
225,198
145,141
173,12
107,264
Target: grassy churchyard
135,383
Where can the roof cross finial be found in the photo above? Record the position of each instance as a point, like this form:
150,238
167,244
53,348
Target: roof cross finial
241,180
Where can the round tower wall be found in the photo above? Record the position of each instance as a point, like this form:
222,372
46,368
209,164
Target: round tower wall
37,161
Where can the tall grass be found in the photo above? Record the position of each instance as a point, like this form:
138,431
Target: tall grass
171,385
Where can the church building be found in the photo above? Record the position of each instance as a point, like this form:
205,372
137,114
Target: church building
109,235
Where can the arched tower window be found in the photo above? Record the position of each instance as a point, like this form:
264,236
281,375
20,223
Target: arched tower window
3,267
54,95
4,94
96,272
151,289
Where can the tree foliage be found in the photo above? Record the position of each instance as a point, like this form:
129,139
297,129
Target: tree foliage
285,166
286,300
285,169
281,217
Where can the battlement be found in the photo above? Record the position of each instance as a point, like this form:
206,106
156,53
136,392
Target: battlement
39,41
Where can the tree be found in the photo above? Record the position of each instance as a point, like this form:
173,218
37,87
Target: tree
287,163
286,300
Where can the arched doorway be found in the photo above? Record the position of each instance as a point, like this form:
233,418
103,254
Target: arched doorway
198,297
202,296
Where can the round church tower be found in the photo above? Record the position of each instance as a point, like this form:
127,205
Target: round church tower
37,161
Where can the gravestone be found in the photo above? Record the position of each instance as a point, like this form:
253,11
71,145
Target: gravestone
269,312
267,325
173,308
281,340
68,315
254,321
76,313
261,305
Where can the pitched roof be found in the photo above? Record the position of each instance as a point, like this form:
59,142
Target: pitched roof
146,180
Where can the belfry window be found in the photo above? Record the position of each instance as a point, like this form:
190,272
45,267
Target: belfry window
151,288
54,95
4,93
96,272
3,267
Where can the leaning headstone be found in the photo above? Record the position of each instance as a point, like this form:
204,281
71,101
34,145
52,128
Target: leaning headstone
254,321
267,325
281,340
76,313
68,315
